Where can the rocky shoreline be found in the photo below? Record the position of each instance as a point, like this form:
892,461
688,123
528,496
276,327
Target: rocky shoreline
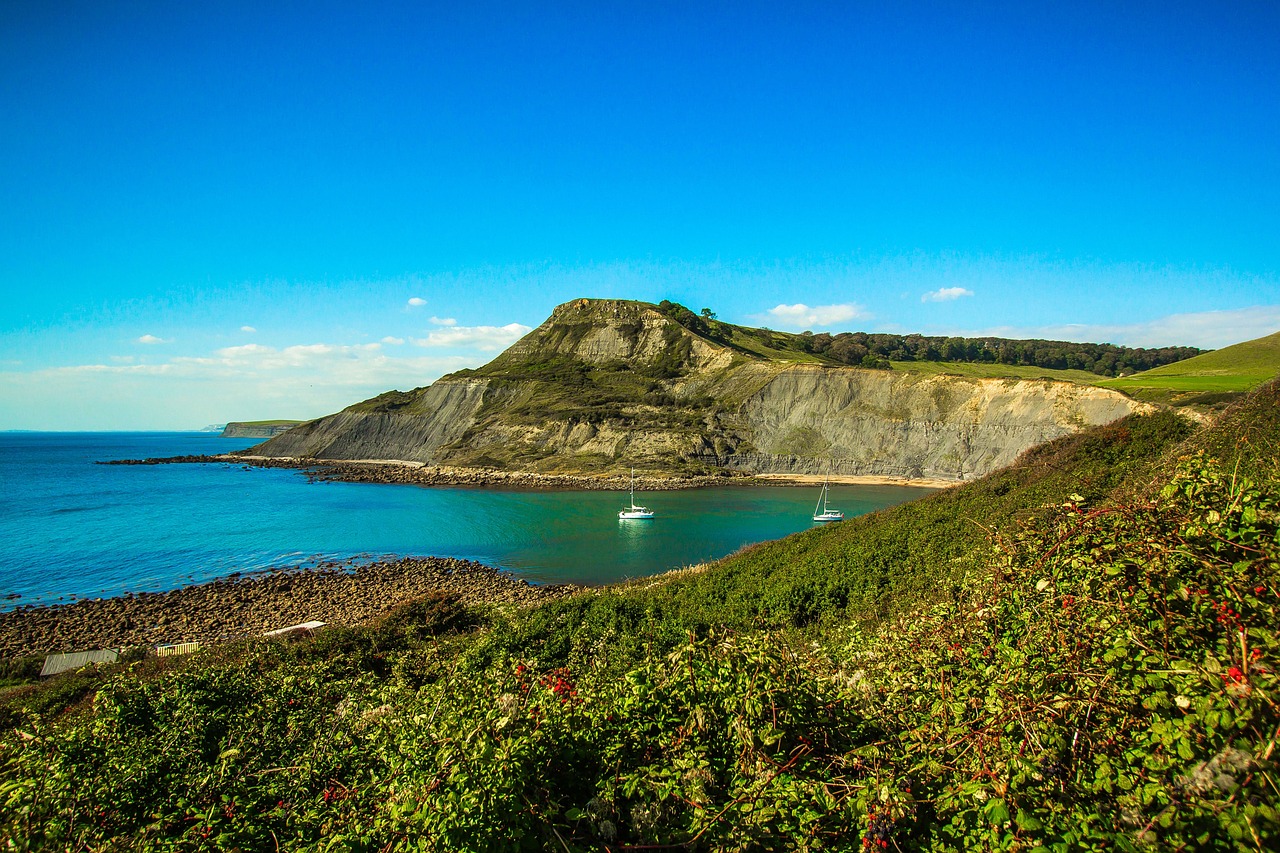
395,471
228,608
416,473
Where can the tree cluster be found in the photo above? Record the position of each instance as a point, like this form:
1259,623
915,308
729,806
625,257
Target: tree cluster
878,350
1102,359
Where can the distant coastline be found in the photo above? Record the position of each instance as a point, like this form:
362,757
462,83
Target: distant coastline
257,429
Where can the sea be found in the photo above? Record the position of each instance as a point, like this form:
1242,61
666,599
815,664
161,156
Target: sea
71,529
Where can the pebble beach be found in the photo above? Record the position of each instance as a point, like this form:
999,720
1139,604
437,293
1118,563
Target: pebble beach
229,608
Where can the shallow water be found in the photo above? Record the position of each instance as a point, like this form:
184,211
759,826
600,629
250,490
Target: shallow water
73,528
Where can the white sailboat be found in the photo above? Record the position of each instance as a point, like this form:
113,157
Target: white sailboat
634,511
827,513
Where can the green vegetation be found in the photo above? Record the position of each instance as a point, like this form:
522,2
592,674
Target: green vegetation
267,423
1079,652
995,371
1213,377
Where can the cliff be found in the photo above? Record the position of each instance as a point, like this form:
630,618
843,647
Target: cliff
257,429
610,384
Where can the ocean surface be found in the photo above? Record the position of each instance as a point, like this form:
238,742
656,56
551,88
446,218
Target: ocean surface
73,529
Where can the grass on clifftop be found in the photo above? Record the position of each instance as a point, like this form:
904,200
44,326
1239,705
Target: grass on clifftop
995,371
1079,652
264,423
1228,371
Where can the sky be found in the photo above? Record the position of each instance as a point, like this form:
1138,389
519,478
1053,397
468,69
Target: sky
242,211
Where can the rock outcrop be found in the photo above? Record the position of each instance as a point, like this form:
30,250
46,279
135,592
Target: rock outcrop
606,384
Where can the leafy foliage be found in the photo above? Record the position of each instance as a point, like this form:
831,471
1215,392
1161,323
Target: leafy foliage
1116,684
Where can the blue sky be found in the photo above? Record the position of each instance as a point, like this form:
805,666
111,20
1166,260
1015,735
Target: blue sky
212,212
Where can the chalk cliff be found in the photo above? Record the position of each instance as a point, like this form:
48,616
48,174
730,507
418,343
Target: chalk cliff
610,384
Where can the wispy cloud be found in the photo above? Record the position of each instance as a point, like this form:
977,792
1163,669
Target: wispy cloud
946,294
483,338
248,382
249,329
444,321
1205,329
416,302
152,339
309,364
394,341
801,316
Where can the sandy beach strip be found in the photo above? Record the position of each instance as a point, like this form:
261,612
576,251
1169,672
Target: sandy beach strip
855,480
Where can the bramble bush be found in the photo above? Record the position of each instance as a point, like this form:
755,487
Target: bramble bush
1113,683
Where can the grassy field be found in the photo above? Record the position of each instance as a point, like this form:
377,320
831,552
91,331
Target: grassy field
1237,368
996,371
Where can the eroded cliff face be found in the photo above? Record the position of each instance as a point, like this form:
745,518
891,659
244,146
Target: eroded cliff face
814,420
413,433
681,402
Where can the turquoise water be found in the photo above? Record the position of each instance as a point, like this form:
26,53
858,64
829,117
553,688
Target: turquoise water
72,528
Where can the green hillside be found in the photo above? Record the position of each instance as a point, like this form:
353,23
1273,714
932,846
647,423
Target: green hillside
986,370
1077,652
1212,377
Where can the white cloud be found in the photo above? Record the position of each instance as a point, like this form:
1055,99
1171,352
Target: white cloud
444,321
392,340
1205,329
416,302
801,316
152,339
249,382
297,357
244,349
483,338
249,329
946,294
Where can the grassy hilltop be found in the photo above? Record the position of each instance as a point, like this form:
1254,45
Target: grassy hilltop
606,385
1208,378
1077,652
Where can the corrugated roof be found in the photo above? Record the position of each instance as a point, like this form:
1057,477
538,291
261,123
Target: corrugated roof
55,664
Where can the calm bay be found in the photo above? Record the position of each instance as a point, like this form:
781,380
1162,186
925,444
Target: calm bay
73,529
